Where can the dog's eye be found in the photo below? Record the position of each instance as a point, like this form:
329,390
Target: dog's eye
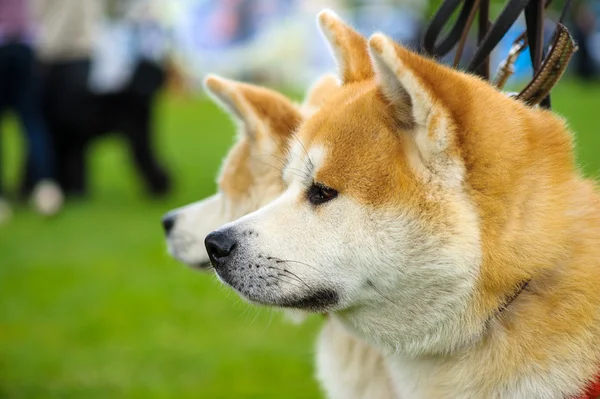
319,194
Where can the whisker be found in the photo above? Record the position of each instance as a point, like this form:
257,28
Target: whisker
270,321
268,164
255,316
279,277
244,311
278,260
296,277
283,161
272,284
302,175
310,165
281,149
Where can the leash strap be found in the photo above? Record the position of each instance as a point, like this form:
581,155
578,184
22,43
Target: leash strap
465,34
553,67
484,27
438,22
547,71
534,20
505,20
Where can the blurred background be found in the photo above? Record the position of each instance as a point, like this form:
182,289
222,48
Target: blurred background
104,127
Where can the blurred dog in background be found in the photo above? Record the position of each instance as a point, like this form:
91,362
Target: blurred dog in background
251,173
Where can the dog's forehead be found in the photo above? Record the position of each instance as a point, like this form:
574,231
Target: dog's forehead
328,125
358,147
336,112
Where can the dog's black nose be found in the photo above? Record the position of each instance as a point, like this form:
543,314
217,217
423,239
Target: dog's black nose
168,221
219,245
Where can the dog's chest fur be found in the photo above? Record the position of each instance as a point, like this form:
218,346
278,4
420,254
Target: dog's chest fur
348,368
422,378
501,365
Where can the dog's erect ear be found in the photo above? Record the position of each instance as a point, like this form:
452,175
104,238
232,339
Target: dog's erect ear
405,80
348,46
398,74
256,107
321,90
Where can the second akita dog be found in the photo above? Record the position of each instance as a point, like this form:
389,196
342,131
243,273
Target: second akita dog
250,178
251,173
441,221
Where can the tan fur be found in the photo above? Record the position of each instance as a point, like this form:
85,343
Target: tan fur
348,368
320,92
358,370
269,119
251,173
250,176
539,219
352,59
449,196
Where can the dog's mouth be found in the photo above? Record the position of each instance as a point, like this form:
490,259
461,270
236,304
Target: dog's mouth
316,300
264,290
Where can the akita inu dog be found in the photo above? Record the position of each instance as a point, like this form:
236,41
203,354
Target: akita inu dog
250,178
441,221
251,173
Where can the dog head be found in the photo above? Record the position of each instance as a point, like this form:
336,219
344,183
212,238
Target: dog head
397,193
251,173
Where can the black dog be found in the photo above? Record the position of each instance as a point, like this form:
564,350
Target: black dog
75,117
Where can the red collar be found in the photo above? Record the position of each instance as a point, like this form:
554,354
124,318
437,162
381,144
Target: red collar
592,391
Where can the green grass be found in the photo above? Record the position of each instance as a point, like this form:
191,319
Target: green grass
91,306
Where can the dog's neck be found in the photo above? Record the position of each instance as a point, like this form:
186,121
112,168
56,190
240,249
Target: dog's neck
543,342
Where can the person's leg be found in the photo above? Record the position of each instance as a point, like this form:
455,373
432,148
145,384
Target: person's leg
5,209
51,99
46,194
5,100
28,177
27,107
1,173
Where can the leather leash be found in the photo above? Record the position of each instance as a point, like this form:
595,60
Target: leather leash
555,64
547,71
